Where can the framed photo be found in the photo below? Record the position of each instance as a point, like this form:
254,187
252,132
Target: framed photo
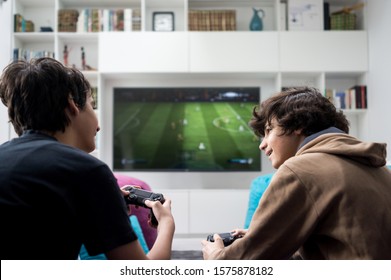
305,15
163,21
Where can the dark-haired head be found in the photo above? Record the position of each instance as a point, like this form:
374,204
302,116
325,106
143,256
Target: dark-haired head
37,94
301,108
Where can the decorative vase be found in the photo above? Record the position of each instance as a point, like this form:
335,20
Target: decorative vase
256,23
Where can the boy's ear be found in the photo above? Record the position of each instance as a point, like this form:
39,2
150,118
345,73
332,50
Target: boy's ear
72,107
298,131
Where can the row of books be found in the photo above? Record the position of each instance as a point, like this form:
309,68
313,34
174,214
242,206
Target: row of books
352,98
26,54
212,20
22,25
97,20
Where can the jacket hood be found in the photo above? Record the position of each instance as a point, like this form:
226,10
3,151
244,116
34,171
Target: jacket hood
340,144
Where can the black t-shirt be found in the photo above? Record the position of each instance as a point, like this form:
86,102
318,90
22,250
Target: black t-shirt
53,198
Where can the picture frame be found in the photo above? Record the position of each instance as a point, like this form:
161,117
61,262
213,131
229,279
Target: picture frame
163,21
305,15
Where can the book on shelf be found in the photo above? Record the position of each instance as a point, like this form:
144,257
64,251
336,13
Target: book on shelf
119,20
340,100
67,20
330,95
350,99
360,93
80,22
128,20
94,93
18,22
95,20
136,19
212,20
22,25
105,20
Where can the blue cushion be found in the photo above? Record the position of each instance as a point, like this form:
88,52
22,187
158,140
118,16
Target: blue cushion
257,188
137,229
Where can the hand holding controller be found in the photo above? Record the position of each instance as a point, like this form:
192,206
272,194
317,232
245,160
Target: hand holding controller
227,238
138,197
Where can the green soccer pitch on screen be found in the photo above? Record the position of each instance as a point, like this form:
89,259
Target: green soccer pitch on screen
185,129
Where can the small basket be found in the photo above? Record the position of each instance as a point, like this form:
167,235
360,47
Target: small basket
343,21
67,20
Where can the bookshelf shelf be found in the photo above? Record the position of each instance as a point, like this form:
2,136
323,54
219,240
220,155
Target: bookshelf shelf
355,111
77,37
34,36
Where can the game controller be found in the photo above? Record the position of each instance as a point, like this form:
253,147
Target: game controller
138,197
227,238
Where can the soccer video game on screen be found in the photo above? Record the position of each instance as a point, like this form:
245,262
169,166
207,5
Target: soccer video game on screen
185,129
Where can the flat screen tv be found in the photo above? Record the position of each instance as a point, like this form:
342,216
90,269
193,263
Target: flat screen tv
185,129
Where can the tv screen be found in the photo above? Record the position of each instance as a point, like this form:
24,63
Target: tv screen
185,129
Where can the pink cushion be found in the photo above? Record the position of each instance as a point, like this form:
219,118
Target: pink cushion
141,213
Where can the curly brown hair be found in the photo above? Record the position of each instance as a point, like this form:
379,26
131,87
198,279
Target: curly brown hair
296,108
37,94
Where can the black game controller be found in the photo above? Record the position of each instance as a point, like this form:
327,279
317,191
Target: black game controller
138,197
227,238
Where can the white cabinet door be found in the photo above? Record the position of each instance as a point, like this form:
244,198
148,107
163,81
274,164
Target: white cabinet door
216,211
343,51
233,51
143,52
207,211
179,208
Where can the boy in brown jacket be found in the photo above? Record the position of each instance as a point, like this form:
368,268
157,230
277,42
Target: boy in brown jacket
331,195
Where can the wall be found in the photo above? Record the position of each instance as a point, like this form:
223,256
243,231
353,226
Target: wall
379,102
